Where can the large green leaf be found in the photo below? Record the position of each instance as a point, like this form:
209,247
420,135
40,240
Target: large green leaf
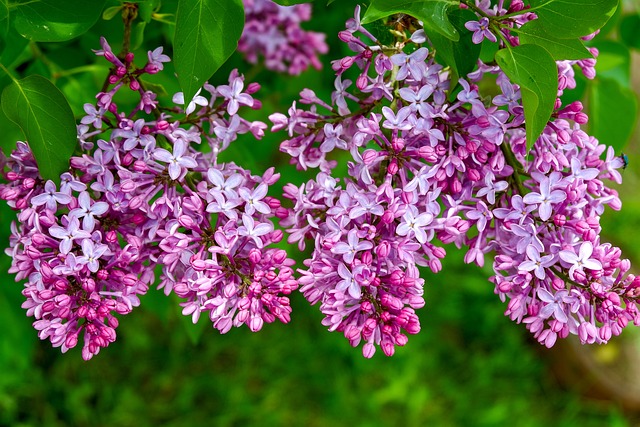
560,49
14,47
207,33
629,30
614,61
4,10
535,71
462,55
44,115
567,19
433,13
56,20
613,111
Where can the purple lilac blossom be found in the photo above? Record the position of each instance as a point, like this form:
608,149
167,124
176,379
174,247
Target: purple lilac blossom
142,195
451,172
273,32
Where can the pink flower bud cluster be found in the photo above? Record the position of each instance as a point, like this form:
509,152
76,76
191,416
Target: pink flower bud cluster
428,167
273,32
139,195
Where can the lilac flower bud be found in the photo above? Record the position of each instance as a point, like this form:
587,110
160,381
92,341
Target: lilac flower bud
383,249
397,144
134,85
255,255
362,82
393,168
391,302
366,258
276,236
272,202
71,341
138,218
127,159
505,286
28,183
345,36
581,118
412,327
368,350
89,285
605,333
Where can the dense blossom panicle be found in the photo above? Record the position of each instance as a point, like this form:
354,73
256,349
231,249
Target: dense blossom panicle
273,32
426,171
140,194
431,160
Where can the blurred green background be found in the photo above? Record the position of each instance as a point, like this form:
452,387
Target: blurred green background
469,366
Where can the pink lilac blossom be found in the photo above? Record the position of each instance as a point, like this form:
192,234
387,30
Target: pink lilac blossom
438,172
425,169
138,195
273,32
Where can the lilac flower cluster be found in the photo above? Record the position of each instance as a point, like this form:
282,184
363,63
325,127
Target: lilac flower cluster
426,168
430,161
138,194
273,32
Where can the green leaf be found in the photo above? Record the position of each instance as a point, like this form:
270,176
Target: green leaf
629,31
560,49
158,89
613,111
56,20
567,19
207,33
461,56
137,36
4,10
45,117
146,9
614,61
488,50
15,46
111,12
433,13
535,71
11,134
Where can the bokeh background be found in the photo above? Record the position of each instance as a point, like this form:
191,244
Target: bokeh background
469,366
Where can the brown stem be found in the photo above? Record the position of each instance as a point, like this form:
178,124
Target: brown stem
129,14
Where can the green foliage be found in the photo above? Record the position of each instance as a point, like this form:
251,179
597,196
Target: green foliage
613,112
612,103
531,67
460,55
433,13
559,49
573,18
55,20
629,33
45,117
207,33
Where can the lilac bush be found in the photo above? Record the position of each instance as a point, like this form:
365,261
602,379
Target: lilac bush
273,32
432,160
